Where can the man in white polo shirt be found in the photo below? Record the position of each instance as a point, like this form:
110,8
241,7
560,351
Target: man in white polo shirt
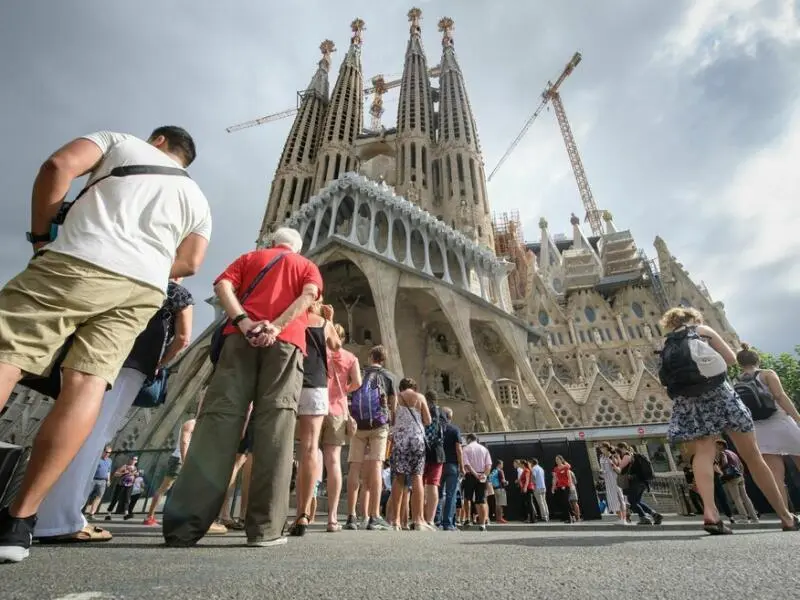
477,464
98,279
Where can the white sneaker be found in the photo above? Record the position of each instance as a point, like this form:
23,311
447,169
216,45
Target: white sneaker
262,543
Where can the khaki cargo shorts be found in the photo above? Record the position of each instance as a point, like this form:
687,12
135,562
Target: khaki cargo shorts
58,295
334,430
368,445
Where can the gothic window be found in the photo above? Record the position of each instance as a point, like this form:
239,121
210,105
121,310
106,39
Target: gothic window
305,191
608,334
590,314
437,185
639,330
424,167
337,165
569,335
413,156
327,164
450,176
637,309
619,333
558,286
631,333
560,338
293,190
480,231
582,336
473,181
609,369
544,318
460,166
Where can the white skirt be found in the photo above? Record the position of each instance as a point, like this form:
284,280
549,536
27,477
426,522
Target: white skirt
779,434
313,402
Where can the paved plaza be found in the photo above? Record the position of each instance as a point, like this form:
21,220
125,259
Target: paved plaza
541,562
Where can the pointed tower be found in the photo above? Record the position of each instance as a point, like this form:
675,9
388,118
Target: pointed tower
460,165
345,116
294,176
415,126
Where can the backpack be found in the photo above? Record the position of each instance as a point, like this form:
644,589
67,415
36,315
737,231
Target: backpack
689,365
756,396
642,468
434,437
368,403
733,468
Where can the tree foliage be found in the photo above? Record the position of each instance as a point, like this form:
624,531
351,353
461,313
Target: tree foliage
787,366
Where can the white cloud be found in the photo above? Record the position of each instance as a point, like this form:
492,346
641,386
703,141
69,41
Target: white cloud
710,27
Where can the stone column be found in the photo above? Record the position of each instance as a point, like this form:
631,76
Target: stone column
383,283
670,458
456,310
516,348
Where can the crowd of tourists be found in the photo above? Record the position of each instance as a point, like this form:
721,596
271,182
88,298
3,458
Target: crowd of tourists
99,312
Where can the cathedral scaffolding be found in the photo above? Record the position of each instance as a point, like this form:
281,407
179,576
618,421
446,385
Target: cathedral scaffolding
507,229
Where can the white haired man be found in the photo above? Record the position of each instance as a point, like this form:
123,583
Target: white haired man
260,362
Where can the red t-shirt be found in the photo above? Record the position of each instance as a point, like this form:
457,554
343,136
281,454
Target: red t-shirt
561,474
276,291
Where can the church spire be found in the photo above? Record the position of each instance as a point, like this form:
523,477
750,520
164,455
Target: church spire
294,176
345,116
463,190
415,128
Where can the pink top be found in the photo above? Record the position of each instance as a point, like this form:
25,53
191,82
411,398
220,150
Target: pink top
339,365
477,457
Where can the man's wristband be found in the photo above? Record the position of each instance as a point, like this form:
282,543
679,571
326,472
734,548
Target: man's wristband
238,319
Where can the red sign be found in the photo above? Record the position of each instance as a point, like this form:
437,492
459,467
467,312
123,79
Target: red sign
641,430
581,434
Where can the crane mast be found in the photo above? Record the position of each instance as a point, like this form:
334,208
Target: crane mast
551,95
592,214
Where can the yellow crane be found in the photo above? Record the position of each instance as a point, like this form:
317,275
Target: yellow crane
379,87
551,95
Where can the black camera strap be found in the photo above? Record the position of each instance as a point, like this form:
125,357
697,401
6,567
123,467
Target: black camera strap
124,171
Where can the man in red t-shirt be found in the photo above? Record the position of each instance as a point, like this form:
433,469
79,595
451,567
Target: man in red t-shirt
260,362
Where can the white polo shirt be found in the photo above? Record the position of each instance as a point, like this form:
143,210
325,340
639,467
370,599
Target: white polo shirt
133,225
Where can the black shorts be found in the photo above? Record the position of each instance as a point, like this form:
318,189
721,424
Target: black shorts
474,490
246,445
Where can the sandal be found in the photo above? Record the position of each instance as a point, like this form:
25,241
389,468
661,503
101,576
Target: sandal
334,527
718,528
298,529
795,526
87,534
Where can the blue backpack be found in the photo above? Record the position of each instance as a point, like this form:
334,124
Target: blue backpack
368,404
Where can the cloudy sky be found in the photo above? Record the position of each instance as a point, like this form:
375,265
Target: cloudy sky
685,112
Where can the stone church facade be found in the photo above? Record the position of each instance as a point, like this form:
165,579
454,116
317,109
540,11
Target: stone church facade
514,335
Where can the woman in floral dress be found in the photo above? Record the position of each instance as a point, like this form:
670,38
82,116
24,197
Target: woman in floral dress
408,451
703,411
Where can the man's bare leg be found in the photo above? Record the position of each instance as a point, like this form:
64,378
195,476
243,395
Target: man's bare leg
166,483
60,437
9,378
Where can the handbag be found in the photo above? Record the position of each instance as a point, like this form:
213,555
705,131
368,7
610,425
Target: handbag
154,391
217,338
350,427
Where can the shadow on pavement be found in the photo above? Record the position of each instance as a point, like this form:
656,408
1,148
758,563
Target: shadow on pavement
585,540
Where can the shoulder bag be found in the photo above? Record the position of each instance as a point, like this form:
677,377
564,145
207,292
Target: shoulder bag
217,338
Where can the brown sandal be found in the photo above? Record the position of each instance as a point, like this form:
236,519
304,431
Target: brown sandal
89,533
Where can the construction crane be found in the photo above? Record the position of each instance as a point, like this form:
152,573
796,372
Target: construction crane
551,95
379,87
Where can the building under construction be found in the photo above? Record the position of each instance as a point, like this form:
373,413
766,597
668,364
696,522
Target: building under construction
552,331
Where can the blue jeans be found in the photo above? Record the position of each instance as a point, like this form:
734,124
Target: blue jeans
446,510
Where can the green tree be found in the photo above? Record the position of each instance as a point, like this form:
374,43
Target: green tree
787,366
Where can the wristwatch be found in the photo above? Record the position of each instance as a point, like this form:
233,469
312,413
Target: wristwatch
238,319
37,238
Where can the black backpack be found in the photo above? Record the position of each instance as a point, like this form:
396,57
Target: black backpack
680,372
642,468
756,396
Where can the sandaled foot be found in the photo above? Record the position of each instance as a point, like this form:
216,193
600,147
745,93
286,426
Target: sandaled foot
333,527
217,528
794,526
718,528
87,534
299,527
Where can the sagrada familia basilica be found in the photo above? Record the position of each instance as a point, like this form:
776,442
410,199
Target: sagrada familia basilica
513,334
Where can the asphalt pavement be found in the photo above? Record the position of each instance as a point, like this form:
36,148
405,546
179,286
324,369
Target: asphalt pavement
592,561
